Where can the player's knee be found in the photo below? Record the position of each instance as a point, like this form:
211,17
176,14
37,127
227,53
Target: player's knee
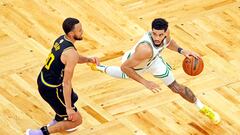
79,120
123,68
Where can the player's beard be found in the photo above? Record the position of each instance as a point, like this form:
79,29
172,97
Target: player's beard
158,43
77,38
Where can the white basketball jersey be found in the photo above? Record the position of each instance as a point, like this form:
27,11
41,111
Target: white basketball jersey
147,38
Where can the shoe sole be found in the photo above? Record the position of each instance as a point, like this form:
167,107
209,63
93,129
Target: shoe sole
72,129
218,120
27,132
69,130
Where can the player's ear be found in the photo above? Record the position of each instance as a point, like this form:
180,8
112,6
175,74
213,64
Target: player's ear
71,33
167,32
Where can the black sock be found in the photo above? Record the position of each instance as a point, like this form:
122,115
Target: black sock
44,130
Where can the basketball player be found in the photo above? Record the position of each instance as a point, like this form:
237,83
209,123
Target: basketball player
54,80
145,56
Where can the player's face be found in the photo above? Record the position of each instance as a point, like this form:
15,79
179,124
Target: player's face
158,36
78,32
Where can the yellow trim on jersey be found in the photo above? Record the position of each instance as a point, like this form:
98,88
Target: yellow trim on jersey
47,84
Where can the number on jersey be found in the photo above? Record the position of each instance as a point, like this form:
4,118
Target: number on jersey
49,61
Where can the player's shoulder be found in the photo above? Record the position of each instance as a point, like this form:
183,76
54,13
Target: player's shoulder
145,47
70,54
59,39
70,51
144,50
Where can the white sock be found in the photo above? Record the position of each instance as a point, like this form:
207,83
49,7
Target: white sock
199,104
113,71
101,67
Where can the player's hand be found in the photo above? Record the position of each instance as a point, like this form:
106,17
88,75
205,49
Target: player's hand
72,115
152,86
95,60
188,53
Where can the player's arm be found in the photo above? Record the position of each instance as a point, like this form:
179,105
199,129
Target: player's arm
83,59
172,45
70,59
141,53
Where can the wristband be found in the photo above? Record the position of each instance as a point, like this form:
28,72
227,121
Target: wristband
179,50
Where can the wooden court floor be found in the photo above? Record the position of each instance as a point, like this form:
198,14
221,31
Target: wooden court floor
112,106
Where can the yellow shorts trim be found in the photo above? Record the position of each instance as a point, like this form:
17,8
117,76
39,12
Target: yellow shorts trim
47,84
61,102
59,97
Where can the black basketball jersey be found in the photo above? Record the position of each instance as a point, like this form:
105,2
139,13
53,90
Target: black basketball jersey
53,70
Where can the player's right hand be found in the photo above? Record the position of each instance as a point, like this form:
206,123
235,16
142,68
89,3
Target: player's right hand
72,115
188,53
152,86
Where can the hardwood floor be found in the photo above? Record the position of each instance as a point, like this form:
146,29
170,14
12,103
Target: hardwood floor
112,106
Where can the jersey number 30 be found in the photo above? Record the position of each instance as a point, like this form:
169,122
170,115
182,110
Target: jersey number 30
49,61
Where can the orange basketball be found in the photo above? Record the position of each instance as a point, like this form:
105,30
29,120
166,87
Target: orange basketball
193,66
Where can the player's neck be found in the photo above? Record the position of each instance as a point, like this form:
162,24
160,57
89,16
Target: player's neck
69,39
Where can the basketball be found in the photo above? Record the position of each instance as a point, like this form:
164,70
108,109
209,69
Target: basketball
193,66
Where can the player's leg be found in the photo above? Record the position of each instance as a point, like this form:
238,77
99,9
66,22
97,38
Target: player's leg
55,99
187,94
114,71
59,118
162,70
65,125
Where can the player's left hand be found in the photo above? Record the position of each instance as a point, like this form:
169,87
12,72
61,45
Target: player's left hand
188,53
72,115
95,60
